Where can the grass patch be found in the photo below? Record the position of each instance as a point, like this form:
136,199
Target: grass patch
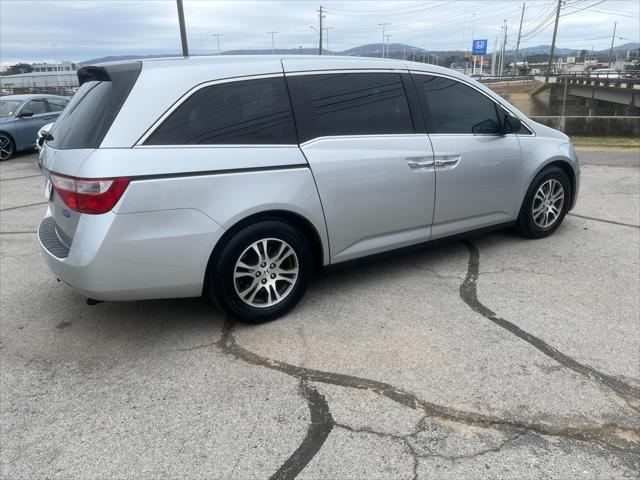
625,142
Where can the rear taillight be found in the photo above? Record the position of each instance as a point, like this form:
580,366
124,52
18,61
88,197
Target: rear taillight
89,195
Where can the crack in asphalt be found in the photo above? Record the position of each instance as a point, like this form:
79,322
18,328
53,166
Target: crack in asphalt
22,206
622,224
320,425
20,178
609,436
469,294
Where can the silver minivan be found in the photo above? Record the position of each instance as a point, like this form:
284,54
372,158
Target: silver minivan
237,177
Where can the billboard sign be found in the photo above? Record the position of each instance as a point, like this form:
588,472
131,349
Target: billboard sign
479,47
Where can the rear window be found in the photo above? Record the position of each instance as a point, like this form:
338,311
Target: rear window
89,115
247,112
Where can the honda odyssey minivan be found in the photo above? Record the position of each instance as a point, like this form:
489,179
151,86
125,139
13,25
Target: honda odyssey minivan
237,177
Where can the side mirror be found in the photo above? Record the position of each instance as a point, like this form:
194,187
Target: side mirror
25,114
511,124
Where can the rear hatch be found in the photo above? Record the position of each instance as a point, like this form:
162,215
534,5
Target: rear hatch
79,131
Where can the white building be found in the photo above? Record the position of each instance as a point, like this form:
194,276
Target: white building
51,67
40,80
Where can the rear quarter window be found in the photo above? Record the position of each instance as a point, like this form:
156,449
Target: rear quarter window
248,112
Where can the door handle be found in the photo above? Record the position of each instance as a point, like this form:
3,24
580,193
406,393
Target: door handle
447,160
419,163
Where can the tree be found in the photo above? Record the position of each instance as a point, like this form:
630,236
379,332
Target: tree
583,55
18,68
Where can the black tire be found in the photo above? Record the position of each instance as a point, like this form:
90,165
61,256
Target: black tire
222,286
525,224
7,144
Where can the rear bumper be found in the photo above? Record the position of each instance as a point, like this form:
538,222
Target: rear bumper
134,256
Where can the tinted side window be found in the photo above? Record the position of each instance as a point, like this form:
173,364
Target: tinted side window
456,108
56,104
358,104
34,106
245,112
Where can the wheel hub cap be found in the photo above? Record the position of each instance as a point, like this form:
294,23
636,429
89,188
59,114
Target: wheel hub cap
266,272
547,203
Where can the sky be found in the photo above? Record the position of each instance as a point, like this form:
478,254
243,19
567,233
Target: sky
86,29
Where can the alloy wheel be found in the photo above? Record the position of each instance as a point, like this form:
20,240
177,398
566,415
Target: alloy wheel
547,203
6,148
266,272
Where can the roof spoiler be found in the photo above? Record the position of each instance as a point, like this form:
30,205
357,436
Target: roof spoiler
106,73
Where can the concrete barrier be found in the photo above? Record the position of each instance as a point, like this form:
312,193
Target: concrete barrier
593,126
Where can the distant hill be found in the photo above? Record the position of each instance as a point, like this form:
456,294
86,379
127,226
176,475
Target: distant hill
544,49
396,50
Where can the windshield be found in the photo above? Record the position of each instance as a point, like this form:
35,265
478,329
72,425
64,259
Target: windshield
8,107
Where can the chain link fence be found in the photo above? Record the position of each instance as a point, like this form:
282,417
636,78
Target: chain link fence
597,104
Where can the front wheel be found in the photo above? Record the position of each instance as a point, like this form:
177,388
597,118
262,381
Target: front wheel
262,271
545,205
7,147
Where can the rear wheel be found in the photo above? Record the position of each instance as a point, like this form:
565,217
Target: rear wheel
7,147
546,204
262,271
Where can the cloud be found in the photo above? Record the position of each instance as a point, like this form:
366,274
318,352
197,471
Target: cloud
84,29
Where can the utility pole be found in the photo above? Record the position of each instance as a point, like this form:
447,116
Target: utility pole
217,35
553,42
613,37
515,57
321,12
183,30
273,42
384,26
327,29
503,48
473,33
493,57
55,61
387,43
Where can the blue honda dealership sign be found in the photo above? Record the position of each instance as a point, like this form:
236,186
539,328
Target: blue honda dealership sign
479,47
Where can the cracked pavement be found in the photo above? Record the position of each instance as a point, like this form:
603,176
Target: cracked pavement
492,357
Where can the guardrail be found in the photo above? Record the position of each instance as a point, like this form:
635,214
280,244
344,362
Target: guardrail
599,81
506,78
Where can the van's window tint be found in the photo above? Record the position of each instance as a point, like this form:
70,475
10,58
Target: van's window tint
246,112
358,104
35,107
457,108
89,115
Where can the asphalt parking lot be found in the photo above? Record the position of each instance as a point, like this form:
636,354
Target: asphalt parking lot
494,357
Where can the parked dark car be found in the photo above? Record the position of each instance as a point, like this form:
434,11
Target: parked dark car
21,116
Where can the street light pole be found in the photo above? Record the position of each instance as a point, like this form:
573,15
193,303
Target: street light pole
55,62
327,29
183,29
217,35
384,26
273,42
